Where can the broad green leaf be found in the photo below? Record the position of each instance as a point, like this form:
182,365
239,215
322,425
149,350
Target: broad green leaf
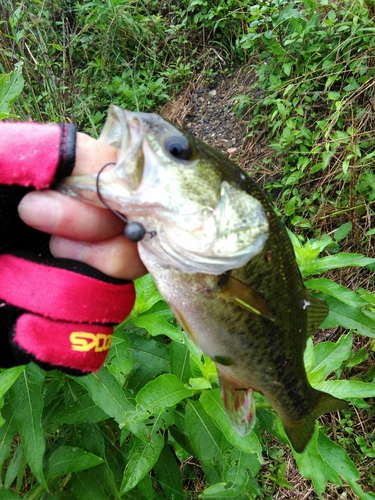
333,289
366,295
180,361
163,392
323,461
11,86
105,391
147,295
312,465
67,459
328,357
158,325
16,467
7,433
150,358
84,410
27,404
236,476
342,259
86,488
199,383
347,388
144,454
349,317
336,457
343,231
8,377
213,405
145,489
168,473
119,361
204,435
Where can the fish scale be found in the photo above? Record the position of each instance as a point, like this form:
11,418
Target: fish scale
222,260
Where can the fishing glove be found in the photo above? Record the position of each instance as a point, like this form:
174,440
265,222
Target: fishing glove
57,312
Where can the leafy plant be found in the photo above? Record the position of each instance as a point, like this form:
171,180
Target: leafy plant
133,428
316,76
11,86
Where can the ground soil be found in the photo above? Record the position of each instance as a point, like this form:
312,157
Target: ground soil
207,111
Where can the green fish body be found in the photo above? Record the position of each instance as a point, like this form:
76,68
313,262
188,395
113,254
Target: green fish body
222,260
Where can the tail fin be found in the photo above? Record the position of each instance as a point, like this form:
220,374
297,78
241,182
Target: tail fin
239,404
301,431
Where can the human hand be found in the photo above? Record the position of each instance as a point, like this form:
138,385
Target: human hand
80,231
58,312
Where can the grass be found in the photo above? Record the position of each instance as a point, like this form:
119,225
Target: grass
313,101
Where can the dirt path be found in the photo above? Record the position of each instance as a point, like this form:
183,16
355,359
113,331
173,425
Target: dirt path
206,110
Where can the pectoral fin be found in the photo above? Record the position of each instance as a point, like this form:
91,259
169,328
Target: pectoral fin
239,403
244,296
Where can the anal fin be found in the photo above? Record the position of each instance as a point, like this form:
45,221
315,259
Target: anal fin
239,403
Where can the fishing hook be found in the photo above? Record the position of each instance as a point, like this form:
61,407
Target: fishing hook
134,231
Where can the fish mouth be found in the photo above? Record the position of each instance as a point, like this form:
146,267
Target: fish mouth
117,184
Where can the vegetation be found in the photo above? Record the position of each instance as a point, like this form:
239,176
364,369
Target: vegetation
150,424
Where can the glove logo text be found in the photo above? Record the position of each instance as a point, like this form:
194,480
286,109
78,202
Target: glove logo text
87,341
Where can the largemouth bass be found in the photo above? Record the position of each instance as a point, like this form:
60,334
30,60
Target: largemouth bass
223,262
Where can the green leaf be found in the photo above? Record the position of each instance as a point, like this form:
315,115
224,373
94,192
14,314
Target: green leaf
27,404
343,231
312,465
180,361
366,295
105,391
144,453
150,358
204,435
67,459
169,475
11,86
84,410
147,295
328,357
213,405
163,392
237,478
324,461
343,389
119,361
8,377
342,259
85,487
158,325
349,317
16,467
333,289
7,433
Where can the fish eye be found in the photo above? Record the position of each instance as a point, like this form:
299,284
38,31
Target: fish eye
178,147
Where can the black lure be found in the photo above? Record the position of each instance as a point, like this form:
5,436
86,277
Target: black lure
134,231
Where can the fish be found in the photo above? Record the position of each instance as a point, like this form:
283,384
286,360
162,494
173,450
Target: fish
222,260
